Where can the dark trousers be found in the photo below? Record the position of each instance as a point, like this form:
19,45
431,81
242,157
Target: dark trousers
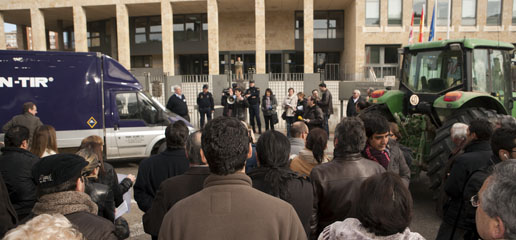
289,120
268,122
205,112
254,112
325,124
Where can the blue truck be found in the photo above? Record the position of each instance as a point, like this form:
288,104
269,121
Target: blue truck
82,94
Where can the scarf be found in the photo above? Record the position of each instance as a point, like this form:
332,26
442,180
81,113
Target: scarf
65,203
381,157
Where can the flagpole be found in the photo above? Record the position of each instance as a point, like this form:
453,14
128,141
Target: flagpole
448,25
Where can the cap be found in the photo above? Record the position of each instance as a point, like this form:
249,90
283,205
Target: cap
204,86
56,169
251,81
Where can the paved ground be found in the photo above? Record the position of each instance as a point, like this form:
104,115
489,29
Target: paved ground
424,220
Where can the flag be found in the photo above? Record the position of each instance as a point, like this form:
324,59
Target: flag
421,24
431,35
411,36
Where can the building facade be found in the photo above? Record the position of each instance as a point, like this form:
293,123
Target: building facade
345,39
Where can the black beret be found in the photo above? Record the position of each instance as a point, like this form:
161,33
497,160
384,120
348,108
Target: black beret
56,169
251,81
205,86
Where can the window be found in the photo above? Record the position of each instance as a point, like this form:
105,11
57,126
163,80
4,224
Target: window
193,27
442,13
327,25
155,29
372,12
494,13
469,12
141,61
320,25
204,27
299,25
417,6
190,27
93,39
136,106
513,12
394,15
383,60
179,28
140,30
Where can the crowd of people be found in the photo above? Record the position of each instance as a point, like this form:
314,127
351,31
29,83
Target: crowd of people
222,183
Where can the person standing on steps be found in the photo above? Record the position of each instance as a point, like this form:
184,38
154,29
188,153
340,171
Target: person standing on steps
253,97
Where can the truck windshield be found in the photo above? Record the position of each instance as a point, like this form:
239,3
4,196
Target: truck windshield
432,71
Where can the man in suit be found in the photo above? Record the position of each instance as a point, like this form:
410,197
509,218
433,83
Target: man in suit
177,104
351,109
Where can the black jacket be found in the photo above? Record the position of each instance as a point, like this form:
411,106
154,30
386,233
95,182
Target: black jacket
8,217
351,109
178,105
110,178
299,189
254,99
16,169
336,184
205,100
301,108
477,155
326,103
315,114
171,191
154,170
102,195
239,109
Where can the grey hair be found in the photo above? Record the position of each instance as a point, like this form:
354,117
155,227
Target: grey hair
193,148
459,130
350,136
357,91
176,87
499,196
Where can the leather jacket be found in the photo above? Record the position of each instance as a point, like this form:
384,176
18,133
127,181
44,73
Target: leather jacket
335,186
102,195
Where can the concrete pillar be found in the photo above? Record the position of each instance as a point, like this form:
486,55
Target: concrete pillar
37,22
2,33
213,37
308,22
167,31
80,28
122,27
21,37
60,37
259,12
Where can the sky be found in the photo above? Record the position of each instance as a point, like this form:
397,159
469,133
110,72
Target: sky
9,27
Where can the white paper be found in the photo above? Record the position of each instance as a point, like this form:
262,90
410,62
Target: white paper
125,207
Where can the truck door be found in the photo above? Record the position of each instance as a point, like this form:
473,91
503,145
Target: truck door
137,123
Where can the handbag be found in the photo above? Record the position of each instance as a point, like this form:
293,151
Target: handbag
275,118
284,115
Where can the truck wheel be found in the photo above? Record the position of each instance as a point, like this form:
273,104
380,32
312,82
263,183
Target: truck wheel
442,144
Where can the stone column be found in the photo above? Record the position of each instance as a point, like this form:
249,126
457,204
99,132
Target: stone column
2,33
308,23
80,29
37,22
21,37
213,37
167,31
259,12
122,27
60,37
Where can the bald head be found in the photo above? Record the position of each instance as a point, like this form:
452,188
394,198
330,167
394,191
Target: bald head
299,130
193,148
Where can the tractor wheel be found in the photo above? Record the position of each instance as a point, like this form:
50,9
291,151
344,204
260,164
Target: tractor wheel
442,144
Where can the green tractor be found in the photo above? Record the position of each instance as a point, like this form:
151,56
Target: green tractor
442,83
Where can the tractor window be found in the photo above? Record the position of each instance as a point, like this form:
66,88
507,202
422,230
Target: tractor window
433,71
497,72
480,70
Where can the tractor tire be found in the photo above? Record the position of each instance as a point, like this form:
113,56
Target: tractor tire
442,144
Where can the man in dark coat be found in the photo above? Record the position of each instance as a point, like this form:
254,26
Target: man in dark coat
154,170
253,97
28,119
8,216
177,104
60,188
326,105
313,115
205,104
351,109
336,183
15,166
176,188
239,106
228,207
477,155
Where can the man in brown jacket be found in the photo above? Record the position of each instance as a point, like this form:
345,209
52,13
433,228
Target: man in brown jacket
336,183
28,119
228,207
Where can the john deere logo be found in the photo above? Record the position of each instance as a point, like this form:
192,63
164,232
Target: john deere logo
92,122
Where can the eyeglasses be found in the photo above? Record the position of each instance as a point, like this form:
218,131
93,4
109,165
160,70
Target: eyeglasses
475,201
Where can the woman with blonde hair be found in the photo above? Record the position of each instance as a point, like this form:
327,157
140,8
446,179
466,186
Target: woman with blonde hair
44,141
